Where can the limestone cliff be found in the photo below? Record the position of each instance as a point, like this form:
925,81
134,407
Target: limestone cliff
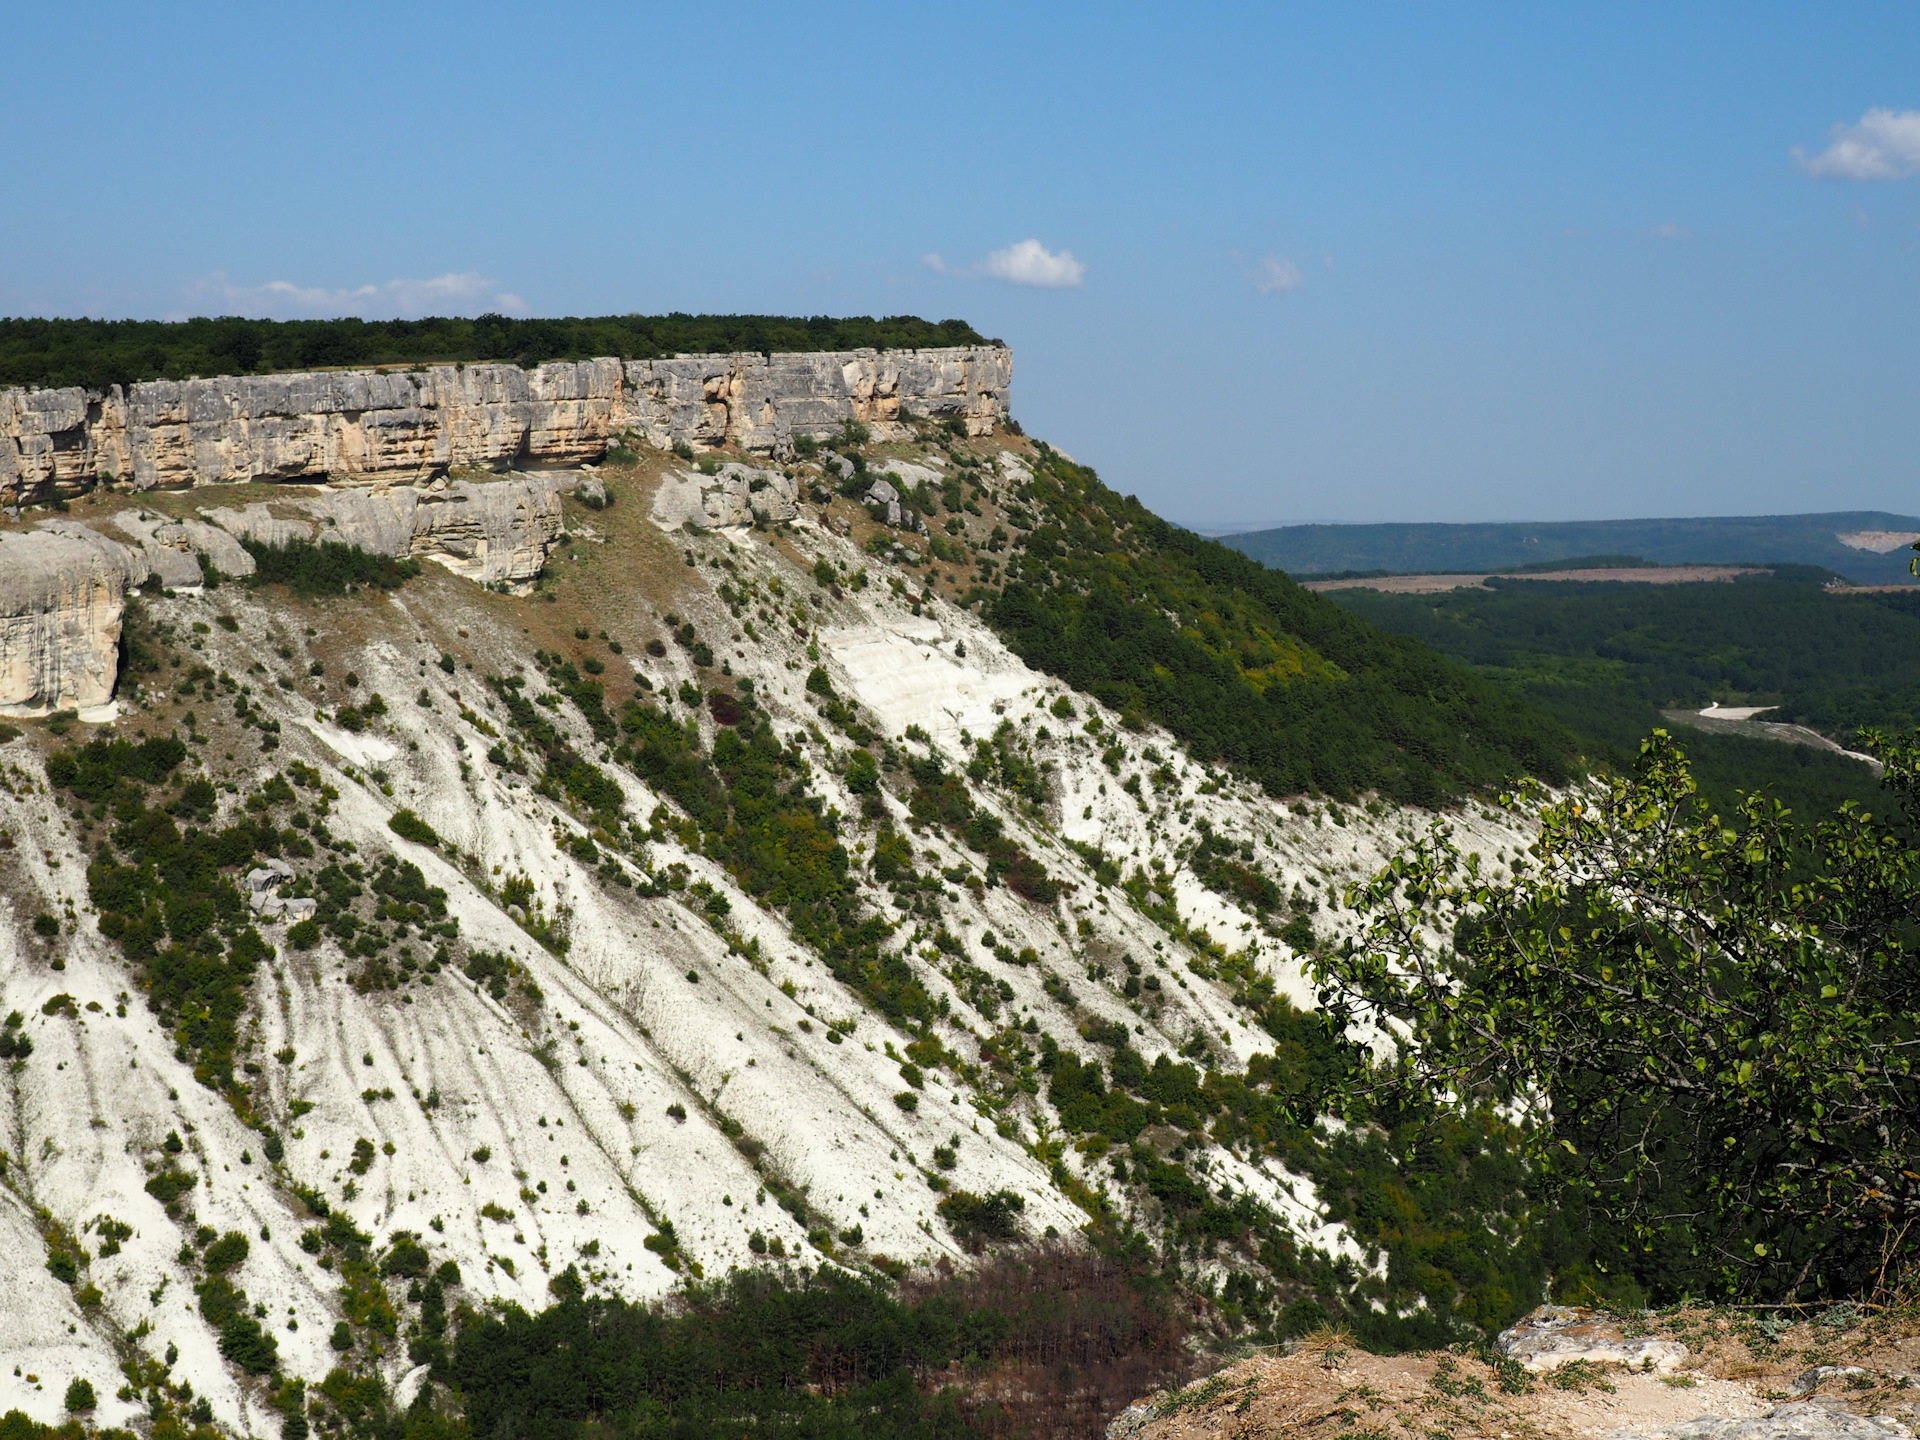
358,427
63,585
62,590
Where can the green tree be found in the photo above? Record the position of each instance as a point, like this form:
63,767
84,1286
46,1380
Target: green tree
1714,1025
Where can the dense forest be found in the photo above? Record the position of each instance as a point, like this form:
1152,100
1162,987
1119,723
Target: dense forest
1605,659
1242,664
1063,1339
98,353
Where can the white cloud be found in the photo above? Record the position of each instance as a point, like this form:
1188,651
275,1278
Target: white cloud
1276,272
1026,263
1031,263
465,293
1670,231
1885,145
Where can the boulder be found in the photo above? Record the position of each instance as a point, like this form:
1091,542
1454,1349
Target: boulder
734,495
1556,1335
1799,1421
172,547
258,524
910,475
269,876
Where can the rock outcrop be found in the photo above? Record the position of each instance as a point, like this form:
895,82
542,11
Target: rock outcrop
1555,1335
63,585
1798,1421
172,548
733,495
492,532
62,591
412,425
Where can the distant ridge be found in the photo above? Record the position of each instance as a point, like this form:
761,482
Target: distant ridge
1304,550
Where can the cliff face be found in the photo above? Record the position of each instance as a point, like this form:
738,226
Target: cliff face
369,426
63,585
62,590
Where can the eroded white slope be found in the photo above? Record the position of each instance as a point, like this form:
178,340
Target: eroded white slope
574,1093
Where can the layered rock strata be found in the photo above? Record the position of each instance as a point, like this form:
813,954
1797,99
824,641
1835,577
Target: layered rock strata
63,586
360,427
62,591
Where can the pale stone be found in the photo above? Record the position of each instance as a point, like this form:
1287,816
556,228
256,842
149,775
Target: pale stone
364,427
258,524
498,532
910,475
1799,1421
1813,1379
734,495
62,592
172,546
1556,1335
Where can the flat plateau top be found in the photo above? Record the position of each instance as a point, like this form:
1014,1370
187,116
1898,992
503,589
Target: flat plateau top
1434,584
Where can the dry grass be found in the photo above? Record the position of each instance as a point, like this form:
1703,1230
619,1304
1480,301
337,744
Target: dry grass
1739,1363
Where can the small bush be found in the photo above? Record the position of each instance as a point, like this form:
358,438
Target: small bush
326,567
406,1257
225,1253
45,926
907,1101
80,1394
1299,934
169,1185
409,826
977,1218
304,934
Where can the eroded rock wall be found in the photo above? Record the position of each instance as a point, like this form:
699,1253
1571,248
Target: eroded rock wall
63,585
359,427
62,591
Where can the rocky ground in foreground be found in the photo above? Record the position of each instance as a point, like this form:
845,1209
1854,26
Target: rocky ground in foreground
1710,1374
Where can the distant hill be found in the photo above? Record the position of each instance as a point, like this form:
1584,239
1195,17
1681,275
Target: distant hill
1722,540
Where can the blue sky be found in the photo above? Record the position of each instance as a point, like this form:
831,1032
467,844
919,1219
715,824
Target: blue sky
1342,261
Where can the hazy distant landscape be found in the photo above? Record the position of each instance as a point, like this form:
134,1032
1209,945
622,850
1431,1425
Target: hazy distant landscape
1607,658
1309,551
